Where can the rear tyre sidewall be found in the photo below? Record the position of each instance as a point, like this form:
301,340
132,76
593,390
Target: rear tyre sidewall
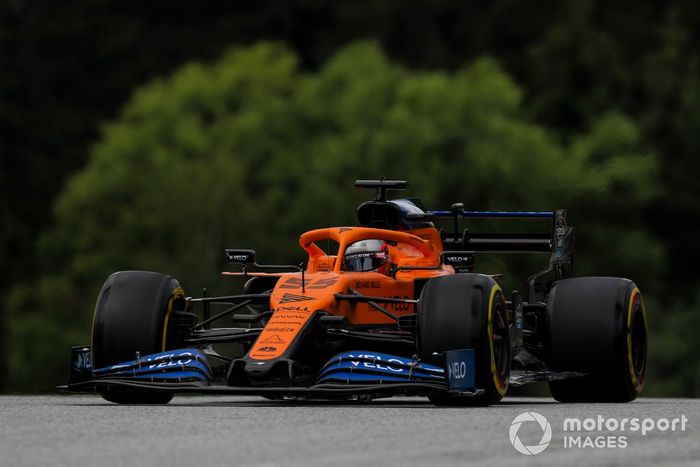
597,326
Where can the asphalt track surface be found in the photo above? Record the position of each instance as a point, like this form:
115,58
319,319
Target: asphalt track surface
232,431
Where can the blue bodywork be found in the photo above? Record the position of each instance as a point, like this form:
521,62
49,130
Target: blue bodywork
460,370
346,369
183,365
371,367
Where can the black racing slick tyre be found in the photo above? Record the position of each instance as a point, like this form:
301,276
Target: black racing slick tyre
597,326
133,314
466,311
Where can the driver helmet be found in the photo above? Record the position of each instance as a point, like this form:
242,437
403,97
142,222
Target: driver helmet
367,255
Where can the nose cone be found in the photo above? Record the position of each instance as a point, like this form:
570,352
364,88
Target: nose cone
293,304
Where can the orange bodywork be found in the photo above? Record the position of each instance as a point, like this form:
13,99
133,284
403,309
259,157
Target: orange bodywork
324,277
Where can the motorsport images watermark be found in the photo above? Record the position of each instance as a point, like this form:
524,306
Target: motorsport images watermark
594,432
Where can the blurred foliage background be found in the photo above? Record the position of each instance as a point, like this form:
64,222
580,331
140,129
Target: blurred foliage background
151,135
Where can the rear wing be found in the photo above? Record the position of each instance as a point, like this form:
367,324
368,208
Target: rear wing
558,241
460,247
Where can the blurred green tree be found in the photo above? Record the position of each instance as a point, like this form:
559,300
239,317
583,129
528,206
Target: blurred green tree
676,368
250,151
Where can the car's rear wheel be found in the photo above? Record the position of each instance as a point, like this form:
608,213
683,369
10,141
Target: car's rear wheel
466,311
597,326
133,314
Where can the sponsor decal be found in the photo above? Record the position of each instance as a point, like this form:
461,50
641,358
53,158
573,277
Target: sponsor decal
240,256
290,320
292,308
399,306
362,255
295,283
288,298
322,283
274,338
457,370
368,285
457,259
460,369
278,329
161,361
377,362
267,349
292,283
82,359
460,261
171,362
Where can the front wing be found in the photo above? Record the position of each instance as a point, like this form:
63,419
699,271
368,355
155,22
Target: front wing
346,375
349,374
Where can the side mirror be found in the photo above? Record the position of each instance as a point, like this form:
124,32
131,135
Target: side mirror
240,256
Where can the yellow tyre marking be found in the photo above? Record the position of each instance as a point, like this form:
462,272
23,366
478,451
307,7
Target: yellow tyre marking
177,293
500,386
635,382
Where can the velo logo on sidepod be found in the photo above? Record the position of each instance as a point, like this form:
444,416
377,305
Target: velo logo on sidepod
530,417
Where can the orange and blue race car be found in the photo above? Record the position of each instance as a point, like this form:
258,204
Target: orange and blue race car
392,306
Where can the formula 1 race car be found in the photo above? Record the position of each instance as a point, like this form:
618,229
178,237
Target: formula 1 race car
396,310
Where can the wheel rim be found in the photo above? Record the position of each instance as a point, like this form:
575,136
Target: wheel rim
499,336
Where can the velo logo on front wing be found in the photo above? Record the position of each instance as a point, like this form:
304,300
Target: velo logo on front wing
537,420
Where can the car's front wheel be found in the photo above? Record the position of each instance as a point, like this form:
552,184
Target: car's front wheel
467,311
133,314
